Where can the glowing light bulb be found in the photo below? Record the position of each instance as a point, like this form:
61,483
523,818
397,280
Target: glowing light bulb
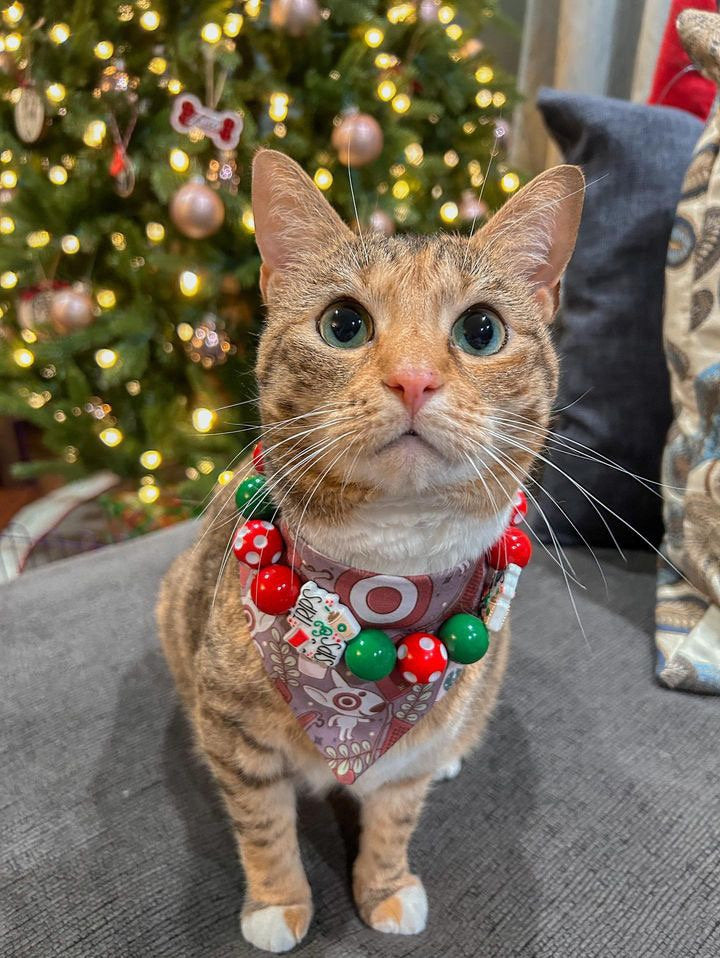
206,466
401,12
56,92
104,50
150,20
189,282
278,109
499,99
509,182
225,477
150,459
179,160
38,239
12,42
155,232
483,98
414,154
233,24
8,179
400,189
248,220
105,298
23,357
446,14
211,32
148,494
57,175
13,14
8,279
386,90
374,37
203,419
6,156
401,103
449,212
451,158
323,178
70,244
7,225
118,240
158,65
106,358
185,332
94,133
175,86
484,74
385,61
111,436
59,32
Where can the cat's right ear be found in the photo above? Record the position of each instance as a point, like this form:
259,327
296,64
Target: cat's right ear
293,220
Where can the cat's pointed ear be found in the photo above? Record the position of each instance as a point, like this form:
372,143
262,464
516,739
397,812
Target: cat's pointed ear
292,217
535,231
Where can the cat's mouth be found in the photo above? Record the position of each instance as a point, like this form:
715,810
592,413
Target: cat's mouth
409,438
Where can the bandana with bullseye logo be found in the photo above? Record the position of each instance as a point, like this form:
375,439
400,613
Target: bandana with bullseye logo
353,722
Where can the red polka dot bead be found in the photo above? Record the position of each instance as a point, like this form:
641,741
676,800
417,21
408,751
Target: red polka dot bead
275,589
422,658
514,546
258,543
519,508
257,458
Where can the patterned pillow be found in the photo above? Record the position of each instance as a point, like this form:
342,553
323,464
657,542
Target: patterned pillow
688,606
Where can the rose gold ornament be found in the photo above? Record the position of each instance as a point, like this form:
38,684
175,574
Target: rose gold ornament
380,222
358,139
197,210
296,17
71,309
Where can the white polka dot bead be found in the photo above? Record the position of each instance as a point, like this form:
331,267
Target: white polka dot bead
258,544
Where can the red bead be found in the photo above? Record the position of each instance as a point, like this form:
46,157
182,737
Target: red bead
275,589
421,658
258,543
257,458
519,508
514,546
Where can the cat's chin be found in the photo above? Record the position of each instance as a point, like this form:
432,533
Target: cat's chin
408,463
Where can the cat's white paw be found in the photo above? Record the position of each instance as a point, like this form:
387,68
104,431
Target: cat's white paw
276,928
404,913
451,770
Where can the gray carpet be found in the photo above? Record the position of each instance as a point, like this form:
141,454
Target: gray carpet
587,825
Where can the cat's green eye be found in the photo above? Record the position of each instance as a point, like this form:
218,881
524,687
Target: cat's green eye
479,332
345,325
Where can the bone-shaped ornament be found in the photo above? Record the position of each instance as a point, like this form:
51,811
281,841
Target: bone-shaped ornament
222,127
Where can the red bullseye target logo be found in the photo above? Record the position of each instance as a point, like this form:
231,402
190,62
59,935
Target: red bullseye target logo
391,601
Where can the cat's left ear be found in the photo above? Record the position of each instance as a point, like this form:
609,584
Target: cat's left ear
293,220
534,233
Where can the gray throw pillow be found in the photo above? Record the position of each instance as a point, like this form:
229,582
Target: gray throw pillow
614,393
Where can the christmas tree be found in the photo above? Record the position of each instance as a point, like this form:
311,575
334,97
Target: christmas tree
128,269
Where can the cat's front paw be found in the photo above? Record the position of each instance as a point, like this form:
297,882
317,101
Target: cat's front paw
275,928
449,771
402,913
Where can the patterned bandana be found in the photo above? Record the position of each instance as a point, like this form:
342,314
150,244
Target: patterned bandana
353,722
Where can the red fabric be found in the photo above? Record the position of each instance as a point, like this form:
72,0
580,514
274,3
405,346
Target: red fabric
688,91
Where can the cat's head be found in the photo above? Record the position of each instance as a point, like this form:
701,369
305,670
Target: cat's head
396,365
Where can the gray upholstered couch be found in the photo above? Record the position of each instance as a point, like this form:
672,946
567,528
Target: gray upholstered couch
587,825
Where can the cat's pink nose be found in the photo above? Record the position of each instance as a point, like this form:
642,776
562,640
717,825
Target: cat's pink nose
414,386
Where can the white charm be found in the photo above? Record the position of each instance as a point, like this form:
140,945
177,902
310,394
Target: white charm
222,127
321,625
496,603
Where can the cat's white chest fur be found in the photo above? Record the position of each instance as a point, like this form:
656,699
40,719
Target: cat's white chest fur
406,536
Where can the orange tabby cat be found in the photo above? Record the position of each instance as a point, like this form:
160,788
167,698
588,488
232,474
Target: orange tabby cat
384,369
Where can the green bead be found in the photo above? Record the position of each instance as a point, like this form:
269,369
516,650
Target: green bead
465,638
252,499
371,655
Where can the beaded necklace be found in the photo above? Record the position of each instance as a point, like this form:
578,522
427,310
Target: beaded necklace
324,630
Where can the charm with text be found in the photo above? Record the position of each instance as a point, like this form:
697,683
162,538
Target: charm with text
320,625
